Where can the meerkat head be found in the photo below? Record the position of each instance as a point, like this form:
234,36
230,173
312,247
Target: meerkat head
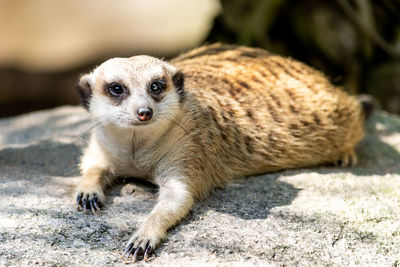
132,92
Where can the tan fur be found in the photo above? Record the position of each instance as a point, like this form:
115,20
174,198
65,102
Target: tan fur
244,112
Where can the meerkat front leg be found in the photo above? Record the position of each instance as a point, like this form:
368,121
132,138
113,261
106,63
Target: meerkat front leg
174,202
89,192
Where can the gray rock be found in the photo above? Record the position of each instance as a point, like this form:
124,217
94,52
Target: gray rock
317,216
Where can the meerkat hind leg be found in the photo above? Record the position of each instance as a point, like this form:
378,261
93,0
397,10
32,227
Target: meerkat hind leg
347,159
174,202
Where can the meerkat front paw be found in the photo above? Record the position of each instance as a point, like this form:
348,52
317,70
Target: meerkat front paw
89,198
142,244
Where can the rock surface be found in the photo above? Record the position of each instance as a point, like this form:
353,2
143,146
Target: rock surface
323,216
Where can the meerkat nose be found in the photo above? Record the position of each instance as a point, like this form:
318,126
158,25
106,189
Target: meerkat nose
144,114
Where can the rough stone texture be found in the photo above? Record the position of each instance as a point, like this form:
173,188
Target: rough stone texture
323,216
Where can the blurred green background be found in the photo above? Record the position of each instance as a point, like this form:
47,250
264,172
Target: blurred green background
355,43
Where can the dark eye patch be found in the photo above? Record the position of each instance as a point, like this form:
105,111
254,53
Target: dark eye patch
156,87
116,91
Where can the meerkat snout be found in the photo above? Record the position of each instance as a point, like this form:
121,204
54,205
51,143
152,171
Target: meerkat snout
144,114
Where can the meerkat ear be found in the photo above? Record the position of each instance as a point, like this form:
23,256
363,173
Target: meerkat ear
85,90
178,79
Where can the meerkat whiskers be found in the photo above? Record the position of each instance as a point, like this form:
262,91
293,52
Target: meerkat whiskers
96,124
177,123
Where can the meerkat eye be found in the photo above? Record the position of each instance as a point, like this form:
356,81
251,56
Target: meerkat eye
157,86
115,89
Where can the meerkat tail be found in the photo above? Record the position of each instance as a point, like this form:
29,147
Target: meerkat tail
368,104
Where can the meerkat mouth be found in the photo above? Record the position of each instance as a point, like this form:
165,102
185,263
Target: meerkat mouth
140,123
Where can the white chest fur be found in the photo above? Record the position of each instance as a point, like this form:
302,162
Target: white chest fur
124,159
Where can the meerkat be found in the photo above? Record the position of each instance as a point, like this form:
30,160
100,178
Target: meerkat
203,119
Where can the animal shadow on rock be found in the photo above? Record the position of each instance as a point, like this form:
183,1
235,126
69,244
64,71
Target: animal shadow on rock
141,194
375,155
251,197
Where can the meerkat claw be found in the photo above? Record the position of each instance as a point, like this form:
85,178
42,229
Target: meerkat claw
92,206
133,253
127,252
130,252
96,203
136,254
85,202
147,252
78,202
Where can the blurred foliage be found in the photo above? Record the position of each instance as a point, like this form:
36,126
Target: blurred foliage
356,43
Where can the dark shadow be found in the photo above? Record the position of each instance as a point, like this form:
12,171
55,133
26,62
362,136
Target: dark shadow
137,182
46,158
252,197
375,155
138,190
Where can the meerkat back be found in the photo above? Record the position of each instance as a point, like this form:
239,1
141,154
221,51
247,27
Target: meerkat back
267,112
